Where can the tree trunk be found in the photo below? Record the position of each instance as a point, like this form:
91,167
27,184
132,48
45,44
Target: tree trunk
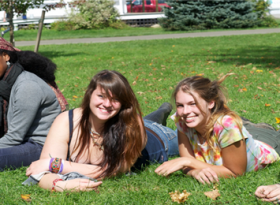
11,23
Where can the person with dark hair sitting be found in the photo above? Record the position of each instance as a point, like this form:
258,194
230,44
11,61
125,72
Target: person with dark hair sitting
29,103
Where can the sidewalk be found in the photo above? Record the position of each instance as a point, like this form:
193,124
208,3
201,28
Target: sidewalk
149,37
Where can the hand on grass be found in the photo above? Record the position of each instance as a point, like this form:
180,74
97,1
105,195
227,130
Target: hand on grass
77,185
204,175
38,166
269,193
172,166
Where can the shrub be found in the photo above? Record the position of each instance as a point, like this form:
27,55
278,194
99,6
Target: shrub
269,21
63,25
262,10
93,14
193,15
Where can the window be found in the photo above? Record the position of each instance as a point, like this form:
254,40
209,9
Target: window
161,1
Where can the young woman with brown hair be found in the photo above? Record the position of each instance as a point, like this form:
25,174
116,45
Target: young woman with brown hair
212,139
102,138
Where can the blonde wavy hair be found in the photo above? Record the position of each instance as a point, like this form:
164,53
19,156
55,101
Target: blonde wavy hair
209,91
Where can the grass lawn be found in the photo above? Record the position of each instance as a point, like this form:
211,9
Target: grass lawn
31,35
153,68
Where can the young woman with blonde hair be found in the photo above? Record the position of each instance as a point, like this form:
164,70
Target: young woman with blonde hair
212,139
102,138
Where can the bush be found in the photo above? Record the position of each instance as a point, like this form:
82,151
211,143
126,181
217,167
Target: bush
194,15
261,7
63,25
91,14
262,10
269,21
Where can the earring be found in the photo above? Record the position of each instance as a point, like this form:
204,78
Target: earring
8,64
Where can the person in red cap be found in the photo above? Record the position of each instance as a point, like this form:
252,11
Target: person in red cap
29,103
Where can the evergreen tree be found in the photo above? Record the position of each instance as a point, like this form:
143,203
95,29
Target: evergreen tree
204,14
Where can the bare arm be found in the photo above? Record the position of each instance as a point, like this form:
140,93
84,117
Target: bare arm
74,185
56,145
234,160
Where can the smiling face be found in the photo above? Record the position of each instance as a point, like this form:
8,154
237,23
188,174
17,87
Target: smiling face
3,63
102,107
190,113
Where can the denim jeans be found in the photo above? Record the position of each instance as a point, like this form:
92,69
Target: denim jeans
20,155
167,135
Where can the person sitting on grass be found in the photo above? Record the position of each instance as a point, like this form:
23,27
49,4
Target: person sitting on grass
28,105
102,138
212,140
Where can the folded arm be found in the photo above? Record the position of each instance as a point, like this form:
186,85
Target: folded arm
234,162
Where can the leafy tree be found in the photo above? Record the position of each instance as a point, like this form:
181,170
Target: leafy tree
18,7
203,14
93,14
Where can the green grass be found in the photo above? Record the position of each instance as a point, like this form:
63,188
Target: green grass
31,35
153,68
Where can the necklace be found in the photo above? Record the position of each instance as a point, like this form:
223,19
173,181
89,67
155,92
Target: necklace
92,133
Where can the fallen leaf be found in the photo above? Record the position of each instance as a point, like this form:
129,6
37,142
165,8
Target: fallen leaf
259,71
173,46
201,74
26,197
134,83
267,105
244,89
235,86
212,194
277,120
252,72
74,96
211,62
259,88
158,98
244,111
179,197
254,68
140,93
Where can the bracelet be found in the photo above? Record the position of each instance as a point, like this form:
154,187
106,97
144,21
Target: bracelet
50,165
55,164
61,166
54,184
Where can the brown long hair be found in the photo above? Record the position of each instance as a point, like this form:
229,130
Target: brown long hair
122,139
209,91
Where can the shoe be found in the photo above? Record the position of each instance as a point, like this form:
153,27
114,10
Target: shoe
167,110
259,125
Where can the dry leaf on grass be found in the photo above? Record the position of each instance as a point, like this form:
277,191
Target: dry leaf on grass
179,197
212,194
26,197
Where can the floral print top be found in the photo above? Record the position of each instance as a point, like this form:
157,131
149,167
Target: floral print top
226,132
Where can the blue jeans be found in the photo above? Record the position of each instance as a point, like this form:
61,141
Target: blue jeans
154,151
20,155
167,135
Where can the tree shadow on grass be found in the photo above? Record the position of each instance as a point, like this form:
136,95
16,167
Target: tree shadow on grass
55,54
264,56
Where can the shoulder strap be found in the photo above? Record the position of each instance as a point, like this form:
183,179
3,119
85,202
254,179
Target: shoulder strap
70,114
